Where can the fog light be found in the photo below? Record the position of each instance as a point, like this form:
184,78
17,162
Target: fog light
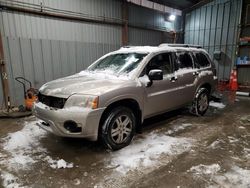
72,127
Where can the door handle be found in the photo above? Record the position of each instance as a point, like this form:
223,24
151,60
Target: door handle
173,78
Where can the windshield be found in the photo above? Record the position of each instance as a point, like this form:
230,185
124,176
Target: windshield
118,63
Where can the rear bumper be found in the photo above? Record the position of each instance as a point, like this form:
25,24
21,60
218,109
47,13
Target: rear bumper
87,119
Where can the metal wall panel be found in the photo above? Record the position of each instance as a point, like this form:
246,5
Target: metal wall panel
214,26
107,8
42,60
54,29
150,18
147,37
144,38
42,49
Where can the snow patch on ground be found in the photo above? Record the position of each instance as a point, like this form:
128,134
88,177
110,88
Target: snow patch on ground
178,128
58,163
236,177
246,153
232,139
9,180
217,105
245,120
145,152
21,145
205,169
215,144
24,149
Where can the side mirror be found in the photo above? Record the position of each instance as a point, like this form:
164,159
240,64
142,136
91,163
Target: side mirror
155,74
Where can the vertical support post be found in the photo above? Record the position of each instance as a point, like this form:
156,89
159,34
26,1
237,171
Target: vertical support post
125,23
4,76
174,37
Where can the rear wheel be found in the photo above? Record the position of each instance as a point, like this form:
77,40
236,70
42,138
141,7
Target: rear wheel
201,102
119,128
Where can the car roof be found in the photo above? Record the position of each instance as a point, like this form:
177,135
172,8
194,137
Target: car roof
162,47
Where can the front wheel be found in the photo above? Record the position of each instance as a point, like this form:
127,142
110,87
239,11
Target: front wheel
119,128
201,102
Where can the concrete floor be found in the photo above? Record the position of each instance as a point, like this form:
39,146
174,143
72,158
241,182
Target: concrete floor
209,151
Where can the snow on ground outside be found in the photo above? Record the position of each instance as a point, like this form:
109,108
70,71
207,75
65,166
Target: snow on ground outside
144,152
58,163
9,180
24,148
217,105
177,128
205,169
236,177
215,144
21,145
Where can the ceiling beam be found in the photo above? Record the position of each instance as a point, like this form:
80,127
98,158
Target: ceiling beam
172,5
197,5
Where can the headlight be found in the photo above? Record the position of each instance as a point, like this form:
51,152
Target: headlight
86,101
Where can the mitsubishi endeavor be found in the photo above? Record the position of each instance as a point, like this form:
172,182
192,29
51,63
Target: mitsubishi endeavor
113,96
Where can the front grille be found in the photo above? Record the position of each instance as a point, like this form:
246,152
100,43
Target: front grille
54,102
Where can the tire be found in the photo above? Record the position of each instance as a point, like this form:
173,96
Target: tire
118,128
201,102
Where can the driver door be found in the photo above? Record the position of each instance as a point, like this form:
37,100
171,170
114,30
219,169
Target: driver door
161,95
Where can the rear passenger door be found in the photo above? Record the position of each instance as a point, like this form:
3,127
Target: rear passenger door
185,76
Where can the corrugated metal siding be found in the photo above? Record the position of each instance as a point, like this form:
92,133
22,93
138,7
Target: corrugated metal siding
214,26
144,17
42,60
148,18
28,26
144,37
108,8
42,49
147,37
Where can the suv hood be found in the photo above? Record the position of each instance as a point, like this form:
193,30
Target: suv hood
92,84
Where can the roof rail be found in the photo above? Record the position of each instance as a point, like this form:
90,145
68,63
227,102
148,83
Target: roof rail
180,45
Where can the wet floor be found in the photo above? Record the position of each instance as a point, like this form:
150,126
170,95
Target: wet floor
175,150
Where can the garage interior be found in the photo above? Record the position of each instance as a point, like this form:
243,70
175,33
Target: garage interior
43,40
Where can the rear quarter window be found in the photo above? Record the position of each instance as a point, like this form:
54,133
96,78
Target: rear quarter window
201,60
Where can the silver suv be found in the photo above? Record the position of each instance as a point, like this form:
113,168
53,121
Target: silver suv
113,96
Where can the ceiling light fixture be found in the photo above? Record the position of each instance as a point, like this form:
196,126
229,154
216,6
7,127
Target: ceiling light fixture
171,18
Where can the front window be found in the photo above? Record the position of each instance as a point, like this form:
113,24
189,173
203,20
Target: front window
118,63
160,61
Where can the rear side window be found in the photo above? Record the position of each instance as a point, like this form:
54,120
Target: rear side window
184,60
202,60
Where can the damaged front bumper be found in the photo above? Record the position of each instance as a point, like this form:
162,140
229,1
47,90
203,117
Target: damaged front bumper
70,122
